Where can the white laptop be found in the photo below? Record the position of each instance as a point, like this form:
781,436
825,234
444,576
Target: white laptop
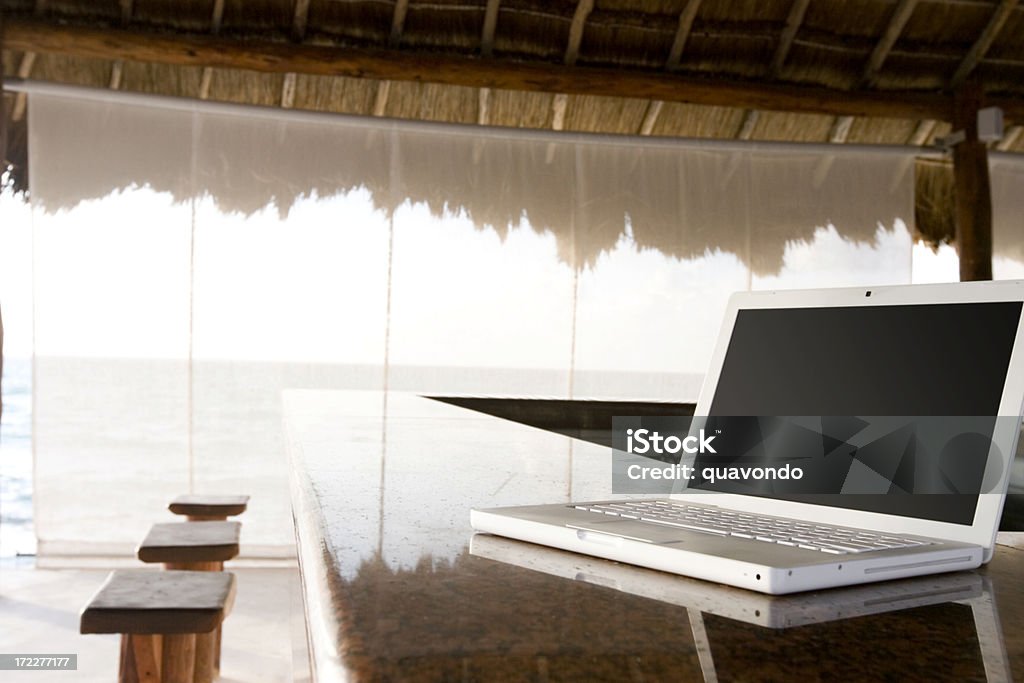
928,350
715,611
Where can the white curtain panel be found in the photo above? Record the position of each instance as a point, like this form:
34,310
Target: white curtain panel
1007,178
192,261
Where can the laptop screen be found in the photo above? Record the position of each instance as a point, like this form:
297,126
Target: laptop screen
905,360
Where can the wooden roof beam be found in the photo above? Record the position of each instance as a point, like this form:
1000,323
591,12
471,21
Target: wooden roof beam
28,60
398,22
483,114
300,20
560,102
686,19
675,57
796,17
750,119
900,17
281,57
380,100
490,26
579,22
983,43
793,21
651,116
487,50
216,19
127,7
1010,139
923,131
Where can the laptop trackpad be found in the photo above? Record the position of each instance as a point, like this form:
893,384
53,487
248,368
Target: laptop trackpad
634,531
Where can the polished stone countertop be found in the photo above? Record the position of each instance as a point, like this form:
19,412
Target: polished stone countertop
397,587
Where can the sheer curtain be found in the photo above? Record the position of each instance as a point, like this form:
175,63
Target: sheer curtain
193,261
1007,178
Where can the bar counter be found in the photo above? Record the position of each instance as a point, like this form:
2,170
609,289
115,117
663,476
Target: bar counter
397,587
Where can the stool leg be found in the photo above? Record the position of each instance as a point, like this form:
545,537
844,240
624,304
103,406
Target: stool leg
216,650
140,658
217,566
206,650
179,657
126,672
206,518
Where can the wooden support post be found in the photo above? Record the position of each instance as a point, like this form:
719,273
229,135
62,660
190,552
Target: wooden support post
972,189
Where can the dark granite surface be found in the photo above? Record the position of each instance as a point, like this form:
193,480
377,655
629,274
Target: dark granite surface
397,587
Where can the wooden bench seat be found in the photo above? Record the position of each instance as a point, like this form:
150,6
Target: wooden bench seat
209,507
167,621
191,545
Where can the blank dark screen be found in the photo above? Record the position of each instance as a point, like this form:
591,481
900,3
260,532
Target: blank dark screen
923,359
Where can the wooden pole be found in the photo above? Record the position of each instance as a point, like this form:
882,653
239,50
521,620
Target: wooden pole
3,167
972,189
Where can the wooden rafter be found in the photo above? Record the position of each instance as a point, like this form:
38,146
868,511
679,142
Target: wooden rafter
483,115
560,102
675,57
686,19
487,50
282,57
398,22
299,21
796,17
117,68
983,43
28,60
923,131
793,21
1010,139
651,116
380,100
490,26
897,21
216,19
840,130
579,22
750,119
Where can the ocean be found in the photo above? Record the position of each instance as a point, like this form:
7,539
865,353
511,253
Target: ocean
16,533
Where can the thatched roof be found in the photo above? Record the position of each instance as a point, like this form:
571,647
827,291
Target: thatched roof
829,43
828,50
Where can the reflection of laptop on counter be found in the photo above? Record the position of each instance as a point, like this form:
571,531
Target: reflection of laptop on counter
936,350
961,601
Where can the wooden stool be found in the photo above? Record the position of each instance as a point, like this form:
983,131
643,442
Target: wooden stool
208,508
201,546
197,546
163,619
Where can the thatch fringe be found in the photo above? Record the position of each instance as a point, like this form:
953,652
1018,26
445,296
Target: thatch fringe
934,206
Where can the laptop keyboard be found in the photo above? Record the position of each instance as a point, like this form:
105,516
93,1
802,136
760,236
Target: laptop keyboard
779,530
